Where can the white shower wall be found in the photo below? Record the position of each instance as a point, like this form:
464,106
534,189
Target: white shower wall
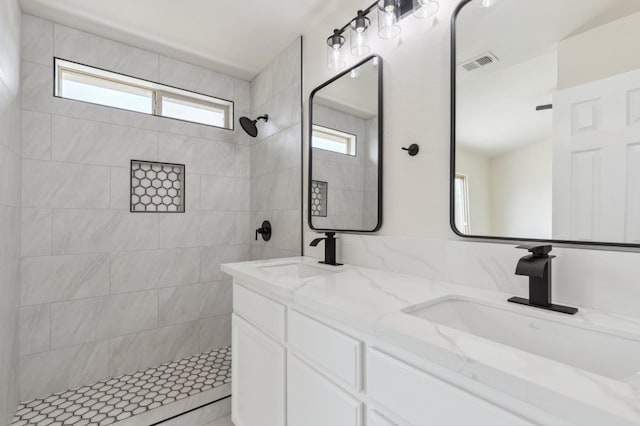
105,291
10,20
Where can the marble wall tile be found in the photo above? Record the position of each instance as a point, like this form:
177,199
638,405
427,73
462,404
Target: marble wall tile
284,111
224,194
45,373
197,229
88,230
10,235
37,40
63,185
120,188
149,269
36,135
287,68
134,119
192,192
277,191
242,95
36,231
269,252
243,161
215,332
220,134
89,49
202,156
10,182
261,90
103,317
55,278
37,95
136,351
212,257
35,329
189,303
197,79
243,228
90,142
277,153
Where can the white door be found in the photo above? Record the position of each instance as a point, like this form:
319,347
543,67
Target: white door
258,385
596,160
313,400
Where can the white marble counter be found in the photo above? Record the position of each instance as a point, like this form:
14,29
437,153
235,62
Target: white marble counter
373,302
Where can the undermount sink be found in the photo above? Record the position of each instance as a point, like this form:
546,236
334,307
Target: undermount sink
544,334
295,270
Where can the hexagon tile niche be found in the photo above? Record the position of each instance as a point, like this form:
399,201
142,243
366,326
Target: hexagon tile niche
157,187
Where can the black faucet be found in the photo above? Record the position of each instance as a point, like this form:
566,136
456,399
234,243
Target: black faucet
329,248
537,266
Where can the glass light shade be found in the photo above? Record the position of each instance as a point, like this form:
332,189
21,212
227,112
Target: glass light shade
335,59
359,38
485,3
388,18
423,9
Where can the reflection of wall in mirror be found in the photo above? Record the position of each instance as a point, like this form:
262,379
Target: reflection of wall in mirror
510,193
352,200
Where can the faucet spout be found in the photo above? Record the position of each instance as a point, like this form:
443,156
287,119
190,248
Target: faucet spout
329,248
537,266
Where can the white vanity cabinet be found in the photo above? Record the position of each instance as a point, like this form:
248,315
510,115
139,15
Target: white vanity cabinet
291,369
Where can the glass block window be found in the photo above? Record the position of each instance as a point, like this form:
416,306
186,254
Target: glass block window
319,198
157,187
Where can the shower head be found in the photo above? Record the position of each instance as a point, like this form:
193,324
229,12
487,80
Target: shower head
249,125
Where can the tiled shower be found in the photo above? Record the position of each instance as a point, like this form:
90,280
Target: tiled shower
90,290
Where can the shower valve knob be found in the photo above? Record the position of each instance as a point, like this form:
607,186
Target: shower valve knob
264,230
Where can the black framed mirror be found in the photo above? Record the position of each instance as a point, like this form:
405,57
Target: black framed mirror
345,150
545,130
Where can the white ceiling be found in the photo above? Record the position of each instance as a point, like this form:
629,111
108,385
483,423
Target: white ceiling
239,37
496,104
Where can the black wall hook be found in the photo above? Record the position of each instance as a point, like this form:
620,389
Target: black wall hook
413,149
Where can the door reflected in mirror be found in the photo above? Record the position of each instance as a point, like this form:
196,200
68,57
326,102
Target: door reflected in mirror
344,156
547,120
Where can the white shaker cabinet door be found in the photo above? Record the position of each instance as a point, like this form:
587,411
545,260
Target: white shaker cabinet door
312,400
259,371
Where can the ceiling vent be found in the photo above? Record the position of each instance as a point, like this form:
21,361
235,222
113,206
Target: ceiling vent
479,62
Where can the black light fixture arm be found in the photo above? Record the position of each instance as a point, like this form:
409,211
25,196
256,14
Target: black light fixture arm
406,6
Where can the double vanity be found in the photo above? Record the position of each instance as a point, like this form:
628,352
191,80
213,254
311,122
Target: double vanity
347,345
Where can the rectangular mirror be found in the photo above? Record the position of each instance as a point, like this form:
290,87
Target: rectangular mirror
345,151
546,120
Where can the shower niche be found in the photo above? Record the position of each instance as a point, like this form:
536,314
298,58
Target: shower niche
157,187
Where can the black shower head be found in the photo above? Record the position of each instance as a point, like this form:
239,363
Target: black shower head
249,125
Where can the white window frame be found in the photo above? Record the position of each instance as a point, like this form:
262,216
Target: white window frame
463,209
157,91
348,139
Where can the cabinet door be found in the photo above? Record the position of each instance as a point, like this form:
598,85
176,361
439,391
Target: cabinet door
258,384
312,400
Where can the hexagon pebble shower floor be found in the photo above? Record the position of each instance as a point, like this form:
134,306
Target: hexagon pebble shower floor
122,397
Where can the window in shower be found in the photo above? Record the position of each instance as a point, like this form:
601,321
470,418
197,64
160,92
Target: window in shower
333,140
88,84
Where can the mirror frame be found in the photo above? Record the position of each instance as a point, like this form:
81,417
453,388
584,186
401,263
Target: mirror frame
380,138
452,174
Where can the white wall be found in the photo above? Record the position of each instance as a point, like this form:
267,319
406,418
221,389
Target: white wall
476,168
521,184
416,237
10,128
599,53
106,291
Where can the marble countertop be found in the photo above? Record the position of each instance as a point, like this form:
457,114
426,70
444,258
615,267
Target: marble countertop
376,302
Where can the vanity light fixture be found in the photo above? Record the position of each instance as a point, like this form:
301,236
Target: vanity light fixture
388,18
359,34
390,12
335,60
